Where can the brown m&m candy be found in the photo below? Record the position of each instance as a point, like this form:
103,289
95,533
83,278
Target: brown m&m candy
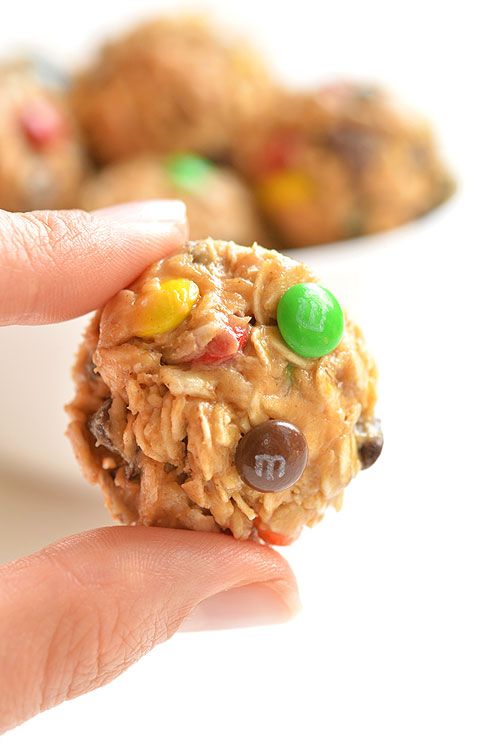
272,456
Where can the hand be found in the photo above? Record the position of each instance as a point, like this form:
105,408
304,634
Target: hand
76,614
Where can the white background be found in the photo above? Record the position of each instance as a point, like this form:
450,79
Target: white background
397,646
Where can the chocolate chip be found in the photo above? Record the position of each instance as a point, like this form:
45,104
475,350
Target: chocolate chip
132,471
354,144
98,425
272,456
370,442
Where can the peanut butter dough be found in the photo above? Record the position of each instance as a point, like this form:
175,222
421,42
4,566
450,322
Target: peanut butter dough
158,417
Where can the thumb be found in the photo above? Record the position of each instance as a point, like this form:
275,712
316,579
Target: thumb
60,264
78,613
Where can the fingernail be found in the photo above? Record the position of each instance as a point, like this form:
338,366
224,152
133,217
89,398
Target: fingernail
144,211
247,606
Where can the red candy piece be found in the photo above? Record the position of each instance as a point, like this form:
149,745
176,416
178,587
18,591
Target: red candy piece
273,537
42,123
277,153
224,346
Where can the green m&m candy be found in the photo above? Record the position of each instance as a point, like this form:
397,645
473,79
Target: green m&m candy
188,171
310,320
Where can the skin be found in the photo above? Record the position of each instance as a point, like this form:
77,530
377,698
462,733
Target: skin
79,612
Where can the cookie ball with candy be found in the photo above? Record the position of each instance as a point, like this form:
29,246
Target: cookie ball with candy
218,202
41,160
174,83
345,160
226,391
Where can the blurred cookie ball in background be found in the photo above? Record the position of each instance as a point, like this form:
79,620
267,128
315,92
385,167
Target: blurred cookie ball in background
170,84
218,202
344,161
41,160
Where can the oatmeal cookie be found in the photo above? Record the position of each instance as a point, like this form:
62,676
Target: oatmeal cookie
343,161
173,84
41,160
224,391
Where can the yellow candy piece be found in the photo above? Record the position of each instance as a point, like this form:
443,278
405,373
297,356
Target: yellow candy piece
284,189
162,308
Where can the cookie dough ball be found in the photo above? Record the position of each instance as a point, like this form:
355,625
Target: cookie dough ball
218,203
341,162
171,84
41,162
192,411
